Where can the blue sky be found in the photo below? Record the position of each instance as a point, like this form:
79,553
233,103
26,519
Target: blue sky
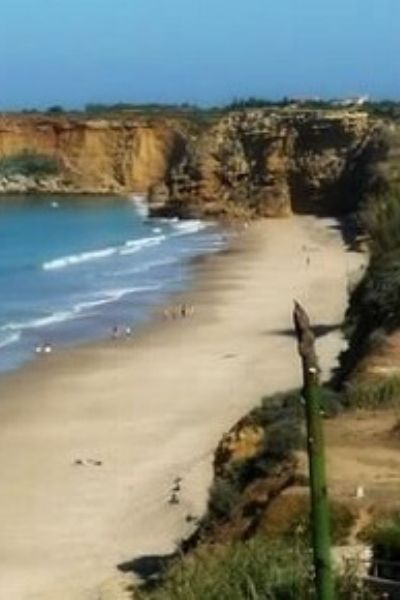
71,52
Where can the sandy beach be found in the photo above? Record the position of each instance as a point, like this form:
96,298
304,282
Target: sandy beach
151,409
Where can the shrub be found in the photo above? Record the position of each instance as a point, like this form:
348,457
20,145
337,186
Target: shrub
384,532
277,407
375,300
224,497
55,110
260,569
380,218
373,393
29,165
350,586
256,570
385,539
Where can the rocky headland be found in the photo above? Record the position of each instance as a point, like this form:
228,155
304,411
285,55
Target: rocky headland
246,163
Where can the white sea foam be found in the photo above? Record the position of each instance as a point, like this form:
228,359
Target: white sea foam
76,259
146,266
56,317
132,246
109,296
76,311
129,247
189,226
10,339
141,206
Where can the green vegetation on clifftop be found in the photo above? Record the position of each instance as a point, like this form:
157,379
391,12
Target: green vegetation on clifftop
373,311
28,164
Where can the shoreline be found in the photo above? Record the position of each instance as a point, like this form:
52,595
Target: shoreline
154,321
197,268
77,319
153,408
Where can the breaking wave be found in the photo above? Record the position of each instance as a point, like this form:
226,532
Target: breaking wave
189,226
9,339
78,310
130,247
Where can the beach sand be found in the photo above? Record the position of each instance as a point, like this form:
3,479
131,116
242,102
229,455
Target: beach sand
151,409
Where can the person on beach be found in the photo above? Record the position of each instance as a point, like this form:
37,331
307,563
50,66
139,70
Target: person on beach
128,331
171,312
173,499
182,310
115,332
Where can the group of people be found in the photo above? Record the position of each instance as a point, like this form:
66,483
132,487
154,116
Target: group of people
118,332
44,348
175,491
181,310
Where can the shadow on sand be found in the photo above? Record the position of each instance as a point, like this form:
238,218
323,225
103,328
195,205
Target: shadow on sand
147,568
319,330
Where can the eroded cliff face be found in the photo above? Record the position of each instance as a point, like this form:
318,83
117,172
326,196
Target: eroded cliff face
272,164
94,155
255,162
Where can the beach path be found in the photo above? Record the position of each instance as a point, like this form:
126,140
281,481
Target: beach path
92,439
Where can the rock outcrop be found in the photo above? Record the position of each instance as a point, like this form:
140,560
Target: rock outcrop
255,162
272,164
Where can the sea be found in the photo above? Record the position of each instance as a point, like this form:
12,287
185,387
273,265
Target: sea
74,268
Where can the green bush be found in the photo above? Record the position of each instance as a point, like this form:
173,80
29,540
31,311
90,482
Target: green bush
386,534
256,570
380,218
29,165
349,585
385,539
277,407
373,393
224,497
55,110
374,303
260,569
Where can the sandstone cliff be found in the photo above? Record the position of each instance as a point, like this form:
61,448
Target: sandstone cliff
254,162
271,164
94,155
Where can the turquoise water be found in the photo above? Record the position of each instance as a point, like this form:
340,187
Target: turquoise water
73,268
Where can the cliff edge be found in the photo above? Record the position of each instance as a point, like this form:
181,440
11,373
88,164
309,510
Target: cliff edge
248,163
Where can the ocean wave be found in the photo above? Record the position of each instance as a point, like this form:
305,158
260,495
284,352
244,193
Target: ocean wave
189,226
132,246
76,259
129,247
78,310
141,206
56,317
145,267
112,296
10,339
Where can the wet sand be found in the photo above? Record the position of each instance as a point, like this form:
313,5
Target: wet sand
153,408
